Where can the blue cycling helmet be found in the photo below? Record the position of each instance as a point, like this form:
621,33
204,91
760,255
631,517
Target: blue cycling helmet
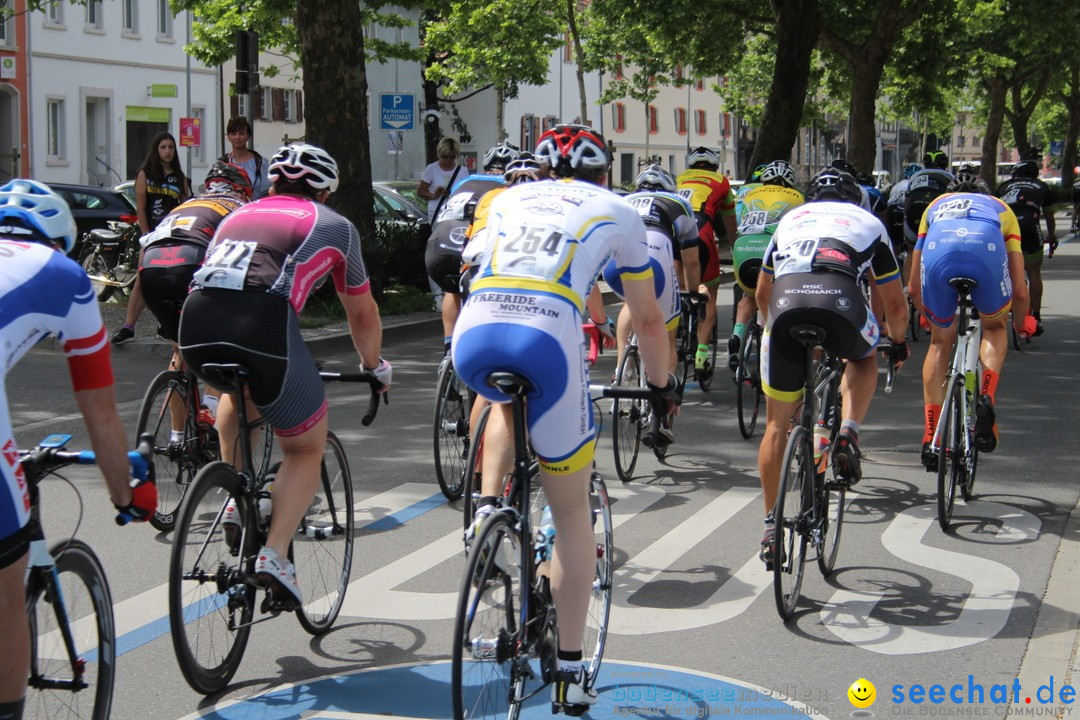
911,169
32,205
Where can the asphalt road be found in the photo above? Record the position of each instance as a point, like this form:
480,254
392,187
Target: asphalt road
907,604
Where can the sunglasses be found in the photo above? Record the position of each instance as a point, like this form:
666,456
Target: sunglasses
447,157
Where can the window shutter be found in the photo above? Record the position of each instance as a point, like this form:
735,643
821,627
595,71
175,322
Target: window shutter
257,110
299,106
278,95
234,103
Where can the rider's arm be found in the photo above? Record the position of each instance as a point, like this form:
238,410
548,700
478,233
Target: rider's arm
365,326
1020,298
648,321
688,241
914,286
107,438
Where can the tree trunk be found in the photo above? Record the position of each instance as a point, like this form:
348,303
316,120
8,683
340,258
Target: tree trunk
335,91
1019,114
500,131
1072,132
579,60
996,90
862,145
797,28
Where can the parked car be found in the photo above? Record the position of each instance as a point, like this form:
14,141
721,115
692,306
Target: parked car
408,189
93,207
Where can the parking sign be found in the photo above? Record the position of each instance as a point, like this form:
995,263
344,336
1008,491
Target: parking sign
397,111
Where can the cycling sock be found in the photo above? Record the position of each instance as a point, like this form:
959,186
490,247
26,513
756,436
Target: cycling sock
569,662
446,345
130,326
210,402
740,330
851,428
702,351
12,710
487,500
990,383
176,436
933,412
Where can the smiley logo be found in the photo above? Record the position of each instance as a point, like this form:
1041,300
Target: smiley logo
862,693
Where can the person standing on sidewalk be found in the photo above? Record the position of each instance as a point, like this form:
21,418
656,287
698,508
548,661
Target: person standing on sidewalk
160,187
256,167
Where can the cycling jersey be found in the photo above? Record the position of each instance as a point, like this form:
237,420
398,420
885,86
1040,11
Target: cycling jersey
923,187
894,214
758,212
709,194
42,292
539,257
1027,197
966,235
442,257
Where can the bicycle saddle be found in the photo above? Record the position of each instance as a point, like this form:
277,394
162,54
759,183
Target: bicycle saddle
809,335
230,377
963,285
509,383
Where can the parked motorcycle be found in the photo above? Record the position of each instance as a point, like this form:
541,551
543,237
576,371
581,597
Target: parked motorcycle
111,258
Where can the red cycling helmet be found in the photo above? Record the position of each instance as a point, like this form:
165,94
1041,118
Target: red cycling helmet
569,149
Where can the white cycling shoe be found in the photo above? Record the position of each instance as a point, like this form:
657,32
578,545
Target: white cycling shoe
274,571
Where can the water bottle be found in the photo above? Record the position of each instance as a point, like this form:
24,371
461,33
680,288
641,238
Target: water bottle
265,502
545,536
821,448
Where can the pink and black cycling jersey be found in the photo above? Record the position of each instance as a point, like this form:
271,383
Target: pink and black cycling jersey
284,245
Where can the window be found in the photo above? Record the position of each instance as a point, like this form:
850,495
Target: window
654,120
291,110
700,122
7,31
699,84
94,15
265,105
198,154
618,116
54,129
130,12
680,120
54,12
530,131
165,18
960,141
678,72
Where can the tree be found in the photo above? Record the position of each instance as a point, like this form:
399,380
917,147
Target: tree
572,9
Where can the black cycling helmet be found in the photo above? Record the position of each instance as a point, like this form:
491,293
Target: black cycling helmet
228,178
865,178
936,159
968,184
836,185
1025,169
845,166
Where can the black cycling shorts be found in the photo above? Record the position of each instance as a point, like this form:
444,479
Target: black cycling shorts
831,301
259,331
443,254
165,273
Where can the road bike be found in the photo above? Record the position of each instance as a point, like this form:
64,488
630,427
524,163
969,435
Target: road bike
212,584
173,400
453,401
748,379
505,633
68,603
954,436
809,509
692,311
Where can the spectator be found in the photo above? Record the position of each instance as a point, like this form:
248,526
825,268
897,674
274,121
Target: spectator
439,176
160,186
239,132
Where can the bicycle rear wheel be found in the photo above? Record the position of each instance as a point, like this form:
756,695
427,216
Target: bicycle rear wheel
323,547
210,602
705,377
792,518
596,621
626,428
80,602
175,464
451,432
913,321
748,382
950,456
832,510
488,676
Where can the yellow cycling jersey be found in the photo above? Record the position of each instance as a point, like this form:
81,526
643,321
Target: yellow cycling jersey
761,208
707,191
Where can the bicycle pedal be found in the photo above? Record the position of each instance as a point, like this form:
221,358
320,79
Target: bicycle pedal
274,604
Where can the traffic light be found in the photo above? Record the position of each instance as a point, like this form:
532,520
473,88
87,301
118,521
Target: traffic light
247,61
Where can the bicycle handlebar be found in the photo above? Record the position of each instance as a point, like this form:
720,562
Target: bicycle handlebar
885,348
595,346
361,377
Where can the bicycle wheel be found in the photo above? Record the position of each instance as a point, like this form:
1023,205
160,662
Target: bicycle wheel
323,546
175,464
748,381
472,478
61,686
451,432
626,428
913,322
596,623
705,377
96,265
792,517
488,676
832,510
971,453
950,455
210,602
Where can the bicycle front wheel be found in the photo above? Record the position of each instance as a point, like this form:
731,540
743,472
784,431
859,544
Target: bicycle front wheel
472,490
451,432
175,464
792,518
628,414
748,381
76,599
596,621
210,602
488,676
323,546
950,456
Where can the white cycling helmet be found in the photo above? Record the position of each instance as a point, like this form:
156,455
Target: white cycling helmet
501,155
34,206
655,177
570,148
304,163
702,155
778,172
524,169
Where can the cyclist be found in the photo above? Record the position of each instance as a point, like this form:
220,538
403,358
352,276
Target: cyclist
758,212
713,202
819,255
753,182
172,253
544,247
923,188
670,232
42,292
932,159
264,261
450,228
1030,199
967,234
894,208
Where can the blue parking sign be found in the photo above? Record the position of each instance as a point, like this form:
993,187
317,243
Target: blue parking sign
397,111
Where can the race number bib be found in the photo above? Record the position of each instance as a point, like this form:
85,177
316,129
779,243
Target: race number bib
227,265
796,258
643,205
754,222
534,251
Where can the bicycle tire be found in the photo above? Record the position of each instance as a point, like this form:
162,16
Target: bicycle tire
97,265
322,548
486,678
84,591
1017,341
913,321
705,377
791,522
175,465
949,467
599,612
451,428
971,455
472,484
748,384
627,416
210,603
832,510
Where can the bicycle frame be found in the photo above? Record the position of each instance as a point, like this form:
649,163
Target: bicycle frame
965,363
